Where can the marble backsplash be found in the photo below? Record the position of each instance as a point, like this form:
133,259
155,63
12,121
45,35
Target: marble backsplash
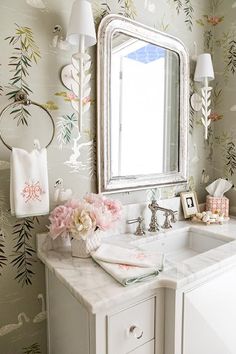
133,211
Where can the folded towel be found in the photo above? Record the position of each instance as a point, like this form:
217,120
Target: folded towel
129,256
128,266
127,274
29,195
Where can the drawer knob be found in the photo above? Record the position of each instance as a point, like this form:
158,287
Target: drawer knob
136,332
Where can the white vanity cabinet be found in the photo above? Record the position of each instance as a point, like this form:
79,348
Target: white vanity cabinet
134,327
188,309
200,318
209,316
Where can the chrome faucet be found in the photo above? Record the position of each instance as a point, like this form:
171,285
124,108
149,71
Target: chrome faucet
139,230
154,207
153,226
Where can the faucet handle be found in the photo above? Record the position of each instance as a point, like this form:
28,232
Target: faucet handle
174,216
139,230
167,224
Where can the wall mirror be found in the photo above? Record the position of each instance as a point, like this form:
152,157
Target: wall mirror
143,83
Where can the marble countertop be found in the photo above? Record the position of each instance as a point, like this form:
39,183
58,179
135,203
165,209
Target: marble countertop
97,290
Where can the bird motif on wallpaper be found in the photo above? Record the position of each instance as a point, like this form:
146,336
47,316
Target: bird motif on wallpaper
41,316
58,41
205,177
75,158
195,159
14,326
60,193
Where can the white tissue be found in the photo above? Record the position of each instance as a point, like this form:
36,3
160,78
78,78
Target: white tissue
219,187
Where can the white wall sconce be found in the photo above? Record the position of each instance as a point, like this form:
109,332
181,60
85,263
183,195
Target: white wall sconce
204,73
81,33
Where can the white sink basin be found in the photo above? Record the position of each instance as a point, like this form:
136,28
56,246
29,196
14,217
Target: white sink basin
183,244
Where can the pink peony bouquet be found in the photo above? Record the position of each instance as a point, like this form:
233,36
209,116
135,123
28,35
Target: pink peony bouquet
82,218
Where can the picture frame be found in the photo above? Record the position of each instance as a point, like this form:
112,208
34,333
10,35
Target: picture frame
189,203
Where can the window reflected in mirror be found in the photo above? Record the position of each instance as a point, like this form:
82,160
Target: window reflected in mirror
144,111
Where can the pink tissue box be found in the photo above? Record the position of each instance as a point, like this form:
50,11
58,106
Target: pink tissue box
220,205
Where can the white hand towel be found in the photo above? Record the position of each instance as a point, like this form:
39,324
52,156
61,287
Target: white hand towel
29,195
127,274
129,256
128,266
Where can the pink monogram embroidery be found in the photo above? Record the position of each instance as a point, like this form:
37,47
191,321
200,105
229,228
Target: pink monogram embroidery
32,192
140,256
126,266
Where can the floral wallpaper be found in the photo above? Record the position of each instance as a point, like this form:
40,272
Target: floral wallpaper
223,48
33,52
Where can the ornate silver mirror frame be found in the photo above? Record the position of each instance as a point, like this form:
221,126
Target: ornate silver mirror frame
110,25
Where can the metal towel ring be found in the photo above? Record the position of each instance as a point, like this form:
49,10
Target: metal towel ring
22,98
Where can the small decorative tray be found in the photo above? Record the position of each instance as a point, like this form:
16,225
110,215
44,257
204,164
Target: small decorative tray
207,218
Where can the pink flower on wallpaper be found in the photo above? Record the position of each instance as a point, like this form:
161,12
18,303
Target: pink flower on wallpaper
214,20
71,96
214,116
86,100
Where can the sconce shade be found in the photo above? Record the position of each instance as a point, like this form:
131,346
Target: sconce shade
204,68
81,24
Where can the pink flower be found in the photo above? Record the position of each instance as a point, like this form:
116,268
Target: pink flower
82,218
214,116
73,204
60,219
103,219
71,96
95,199
214,20
114,207
86,100
83,223
106,211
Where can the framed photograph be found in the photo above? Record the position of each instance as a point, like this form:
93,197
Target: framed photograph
189,203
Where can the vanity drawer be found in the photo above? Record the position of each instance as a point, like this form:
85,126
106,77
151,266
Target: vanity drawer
132,327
